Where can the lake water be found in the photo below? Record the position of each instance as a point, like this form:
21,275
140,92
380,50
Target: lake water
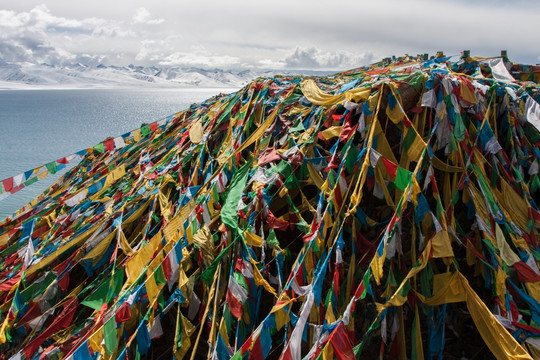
40,126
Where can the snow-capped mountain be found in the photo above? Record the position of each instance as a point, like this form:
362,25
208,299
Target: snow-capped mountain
77,75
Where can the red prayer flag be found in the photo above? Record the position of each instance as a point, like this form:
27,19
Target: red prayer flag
8,184
390,167
276,223
109,144
246,345
287,354
257,351
343,349
525,273
268,155
166,265
61,322
235,306
8,284
123,313
63,282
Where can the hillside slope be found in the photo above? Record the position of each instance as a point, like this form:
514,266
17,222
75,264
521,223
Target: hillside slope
385,211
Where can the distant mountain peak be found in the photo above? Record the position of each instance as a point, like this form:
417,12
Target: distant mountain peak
85,75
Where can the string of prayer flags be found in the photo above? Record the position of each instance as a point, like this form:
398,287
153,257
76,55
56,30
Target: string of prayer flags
16,183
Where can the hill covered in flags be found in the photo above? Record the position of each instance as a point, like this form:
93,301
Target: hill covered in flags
390,210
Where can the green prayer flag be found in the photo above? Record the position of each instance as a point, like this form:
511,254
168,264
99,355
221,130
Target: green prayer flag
534,184
115,285
51,167
239,278
455,198
297,128
237,356
110,335
272,239
27,182
292,99
145,130
365,280
227,112
403,178
409,138
106,291
98,297
159,276
99,148
208,273
37,288
350,160
284,168
416,80
440,208
229,215
459,128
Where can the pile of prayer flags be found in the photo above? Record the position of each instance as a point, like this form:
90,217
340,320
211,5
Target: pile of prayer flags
387,211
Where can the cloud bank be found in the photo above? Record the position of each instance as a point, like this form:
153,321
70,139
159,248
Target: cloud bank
284,35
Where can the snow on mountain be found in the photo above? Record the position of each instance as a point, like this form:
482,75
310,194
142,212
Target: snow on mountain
14,73
84,76
77,75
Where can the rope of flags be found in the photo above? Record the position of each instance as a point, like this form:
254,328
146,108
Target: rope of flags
18,182
387,211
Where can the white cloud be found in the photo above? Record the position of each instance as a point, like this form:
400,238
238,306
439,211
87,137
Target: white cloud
298,34
199,60
112,30
271,64
313,58
142,16
30,36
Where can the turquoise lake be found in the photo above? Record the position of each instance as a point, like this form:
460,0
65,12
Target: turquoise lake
40,126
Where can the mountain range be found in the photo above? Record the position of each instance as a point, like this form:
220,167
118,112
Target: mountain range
77,75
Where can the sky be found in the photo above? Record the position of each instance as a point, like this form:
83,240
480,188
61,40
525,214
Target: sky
277,34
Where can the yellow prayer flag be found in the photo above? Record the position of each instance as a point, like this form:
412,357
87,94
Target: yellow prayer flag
253,239
318,97
152,288
506,252
196,132
331,132
328,351
135,266
136,135
446,289
441,244
501,343
501,283
314,176
417,147
95,340
205,242
114,175
126,248
4,238
259,280
43,174
100,249
419,347
467,94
